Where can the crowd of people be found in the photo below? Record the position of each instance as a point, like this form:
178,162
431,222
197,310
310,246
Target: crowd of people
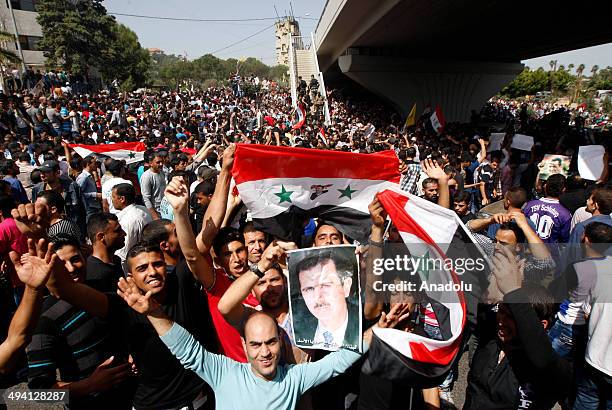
142,284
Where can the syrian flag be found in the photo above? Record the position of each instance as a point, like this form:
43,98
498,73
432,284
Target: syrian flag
130,152
321,135
283,187
300,117
437,120
426,229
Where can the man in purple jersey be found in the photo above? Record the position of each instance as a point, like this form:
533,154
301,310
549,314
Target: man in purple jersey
551,219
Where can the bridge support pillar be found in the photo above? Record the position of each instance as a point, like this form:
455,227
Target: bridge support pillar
457,86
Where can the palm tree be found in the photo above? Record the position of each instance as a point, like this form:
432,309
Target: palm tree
553,65
561,68
579,72
570,67
594,69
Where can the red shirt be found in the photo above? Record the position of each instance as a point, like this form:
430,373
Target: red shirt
228,337
11,239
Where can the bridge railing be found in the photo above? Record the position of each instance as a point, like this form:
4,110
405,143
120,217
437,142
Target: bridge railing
306,43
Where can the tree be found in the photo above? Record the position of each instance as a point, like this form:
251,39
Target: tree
127,61
7,56
553,65
75,34
602,79
594,69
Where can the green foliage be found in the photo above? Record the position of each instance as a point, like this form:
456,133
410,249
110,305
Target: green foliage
602,79
172,71
7,56
127,61
529,82
75,34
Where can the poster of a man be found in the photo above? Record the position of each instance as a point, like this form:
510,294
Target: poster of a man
325,297
553,164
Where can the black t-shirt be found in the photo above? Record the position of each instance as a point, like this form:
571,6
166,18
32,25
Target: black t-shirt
103,276
163,381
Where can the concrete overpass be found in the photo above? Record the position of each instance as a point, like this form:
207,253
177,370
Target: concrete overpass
453,53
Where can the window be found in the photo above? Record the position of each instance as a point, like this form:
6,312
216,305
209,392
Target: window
26,5
29,42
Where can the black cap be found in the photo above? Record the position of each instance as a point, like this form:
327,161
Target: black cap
49,166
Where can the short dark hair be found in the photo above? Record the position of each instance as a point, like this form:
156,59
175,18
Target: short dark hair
225,236
321,223
462,196
205,187
54,199
7,204
155,232
61,240
428,181
600,235
410,152
540,300
127,191
139,248
603,198
7,167
518,232
98,222
517,196
554,185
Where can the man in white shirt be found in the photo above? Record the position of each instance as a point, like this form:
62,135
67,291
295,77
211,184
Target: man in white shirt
116,169
132,218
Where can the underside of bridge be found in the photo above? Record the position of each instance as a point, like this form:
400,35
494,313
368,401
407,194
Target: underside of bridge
456,54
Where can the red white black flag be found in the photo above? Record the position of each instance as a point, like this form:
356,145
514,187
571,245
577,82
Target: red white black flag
427,230
437,120
282,187
130,152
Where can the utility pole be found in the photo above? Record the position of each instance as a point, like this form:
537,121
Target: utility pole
16,33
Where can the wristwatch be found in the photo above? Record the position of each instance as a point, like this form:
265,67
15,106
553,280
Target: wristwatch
255,269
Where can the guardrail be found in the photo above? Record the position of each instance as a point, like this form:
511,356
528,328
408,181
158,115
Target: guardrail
297,43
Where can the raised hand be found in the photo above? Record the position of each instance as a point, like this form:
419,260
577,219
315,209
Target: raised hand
35,267
377,213
177,194
507,270
274,253
434,170
228,157
32,219
133,296
397,314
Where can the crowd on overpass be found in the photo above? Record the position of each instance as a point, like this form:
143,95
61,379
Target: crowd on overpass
139,284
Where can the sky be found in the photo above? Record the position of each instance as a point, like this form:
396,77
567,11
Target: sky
196,38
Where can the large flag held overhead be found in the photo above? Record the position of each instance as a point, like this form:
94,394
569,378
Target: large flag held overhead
282,187
437,120
130,152
427,230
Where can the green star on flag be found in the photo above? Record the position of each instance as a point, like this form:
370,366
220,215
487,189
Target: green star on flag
284,195
346,192
132,155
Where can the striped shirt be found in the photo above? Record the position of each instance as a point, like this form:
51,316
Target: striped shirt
66,339
64,227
